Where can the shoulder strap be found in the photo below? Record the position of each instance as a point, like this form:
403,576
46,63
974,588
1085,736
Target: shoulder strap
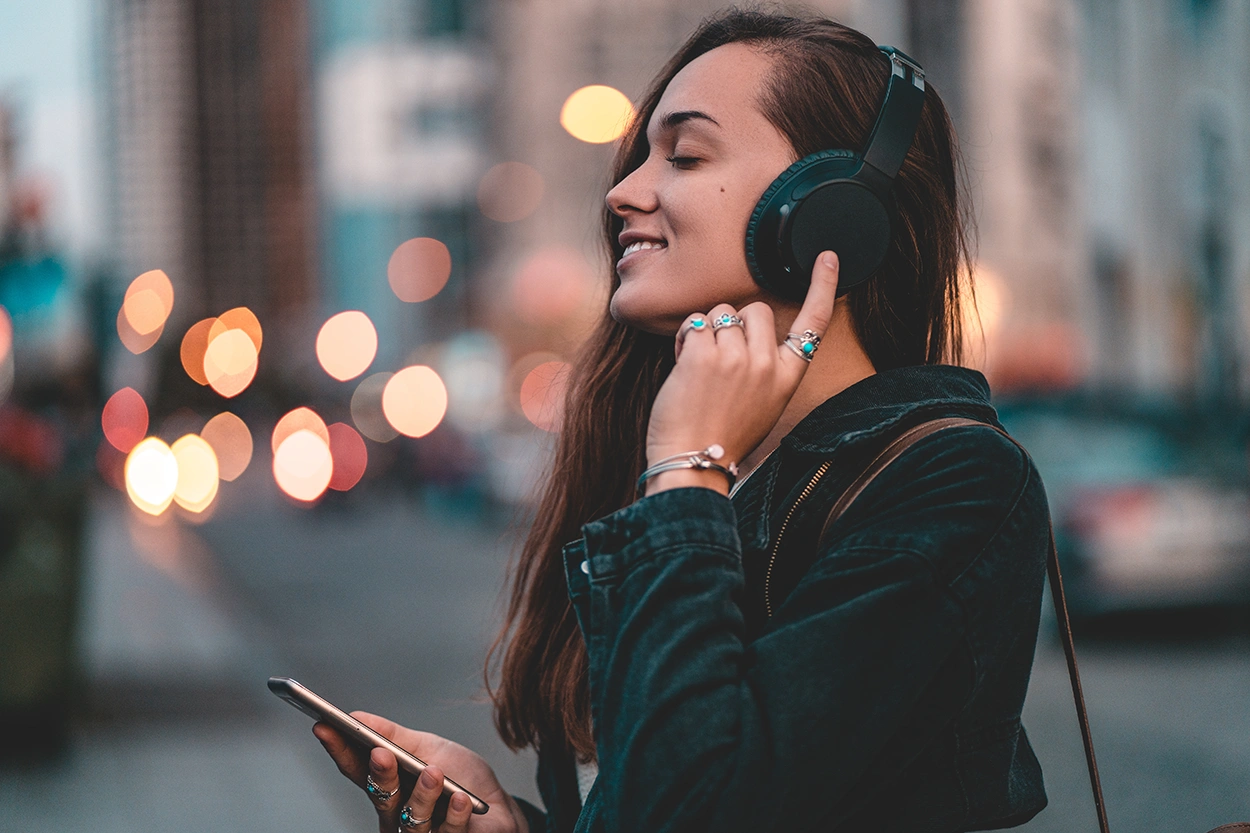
891,453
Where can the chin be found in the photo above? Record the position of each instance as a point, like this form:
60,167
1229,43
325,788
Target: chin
638,310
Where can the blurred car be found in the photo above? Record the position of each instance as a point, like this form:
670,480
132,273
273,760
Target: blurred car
1151,511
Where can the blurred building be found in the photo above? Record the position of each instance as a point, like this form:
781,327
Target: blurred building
208,127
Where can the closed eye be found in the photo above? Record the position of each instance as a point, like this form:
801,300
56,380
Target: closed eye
682,162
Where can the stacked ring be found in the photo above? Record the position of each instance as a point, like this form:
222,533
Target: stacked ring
727,320
407,820
376,791
808,341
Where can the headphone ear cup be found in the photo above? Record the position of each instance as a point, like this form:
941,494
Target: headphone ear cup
764,249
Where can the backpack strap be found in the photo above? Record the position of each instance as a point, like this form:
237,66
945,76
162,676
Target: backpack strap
891,453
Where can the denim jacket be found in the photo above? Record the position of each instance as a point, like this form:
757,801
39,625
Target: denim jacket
885,691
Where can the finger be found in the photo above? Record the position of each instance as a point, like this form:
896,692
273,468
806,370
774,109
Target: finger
350,759
459,811
760,331
728,335
387,797
817,309
695,323
386,728
421,803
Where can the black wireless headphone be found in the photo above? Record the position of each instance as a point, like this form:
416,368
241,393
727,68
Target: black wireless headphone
837,199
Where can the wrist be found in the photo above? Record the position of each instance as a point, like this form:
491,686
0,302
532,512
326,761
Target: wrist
679,478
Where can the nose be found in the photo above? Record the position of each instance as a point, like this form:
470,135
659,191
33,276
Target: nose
633,193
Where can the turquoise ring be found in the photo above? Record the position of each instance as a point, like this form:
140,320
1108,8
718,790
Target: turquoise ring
727,320
808,341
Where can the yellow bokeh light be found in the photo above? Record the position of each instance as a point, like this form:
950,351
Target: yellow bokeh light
197,473
300,419
151,475
347,345
418,269
302,465
415,400
596,114
230,362
231,441
510,191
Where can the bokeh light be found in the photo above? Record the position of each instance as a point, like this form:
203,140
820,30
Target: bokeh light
542,394
418,269
349,454
133,340
302,465
510,191
239,318
151,475
194,346
149,301
474,366
197,473
231,441
125,419
596,114
230,362
300,419
347,345
415,401
6,334
550,285
367,408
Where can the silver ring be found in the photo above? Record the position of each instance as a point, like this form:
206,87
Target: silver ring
698,323
374,789
806,348
727,320
406,819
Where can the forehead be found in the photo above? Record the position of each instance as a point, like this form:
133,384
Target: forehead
725,83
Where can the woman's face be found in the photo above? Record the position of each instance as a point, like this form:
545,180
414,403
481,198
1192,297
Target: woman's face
712,154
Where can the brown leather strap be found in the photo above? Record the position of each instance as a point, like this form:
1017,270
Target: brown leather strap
891,453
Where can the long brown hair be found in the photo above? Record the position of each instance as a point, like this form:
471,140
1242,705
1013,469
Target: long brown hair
824,91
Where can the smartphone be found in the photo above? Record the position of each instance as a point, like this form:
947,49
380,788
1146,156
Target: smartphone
302,698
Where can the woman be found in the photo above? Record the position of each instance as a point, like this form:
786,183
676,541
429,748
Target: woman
871,680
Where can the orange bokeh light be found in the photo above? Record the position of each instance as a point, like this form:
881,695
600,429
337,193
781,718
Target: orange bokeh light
194,346
510,191
302,465
542,394
6,334
232,442
133,340
300,419
197,473
550,285
418,269
230,362
149,301
239,318
350,456
415,400
367,408
347,345
125,419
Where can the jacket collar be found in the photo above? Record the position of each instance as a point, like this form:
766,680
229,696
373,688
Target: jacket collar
871,408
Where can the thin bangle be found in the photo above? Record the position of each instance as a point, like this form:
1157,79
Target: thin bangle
691,463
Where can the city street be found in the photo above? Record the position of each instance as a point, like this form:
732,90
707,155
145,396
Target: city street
388,605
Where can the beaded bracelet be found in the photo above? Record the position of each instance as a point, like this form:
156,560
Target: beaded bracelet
691,460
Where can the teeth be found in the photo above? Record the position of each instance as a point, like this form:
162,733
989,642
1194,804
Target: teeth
641,244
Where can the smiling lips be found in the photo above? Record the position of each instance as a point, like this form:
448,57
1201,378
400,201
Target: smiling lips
639,246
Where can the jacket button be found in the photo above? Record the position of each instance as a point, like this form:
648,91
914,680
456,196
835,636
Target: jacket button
586,567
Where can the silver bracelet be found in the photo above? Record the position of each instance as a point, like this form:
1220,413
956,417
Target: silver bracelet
693,460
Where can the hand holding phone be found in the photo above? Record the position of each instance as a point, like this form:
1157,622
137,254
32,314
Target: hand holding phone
363,744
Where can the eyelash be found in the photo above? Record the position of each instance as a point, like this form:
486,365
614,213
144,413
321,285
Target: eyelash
674,160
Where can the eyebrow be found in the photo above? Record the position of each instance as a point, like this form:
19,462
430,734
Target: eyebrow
671,120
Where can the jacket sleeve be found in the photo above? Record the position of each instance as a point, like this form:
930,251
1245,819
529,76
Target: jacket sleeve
698,730
534,817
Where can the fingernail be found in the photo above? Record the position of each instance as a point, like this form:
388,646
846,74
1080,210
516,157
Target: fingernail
428,781
829,259
459,801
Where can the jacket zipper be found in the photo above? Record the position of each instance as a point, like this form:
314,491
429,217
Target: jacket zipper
807,490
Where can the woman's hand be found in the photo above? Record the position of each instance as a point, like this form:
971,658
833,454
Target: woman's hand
422,795
731,385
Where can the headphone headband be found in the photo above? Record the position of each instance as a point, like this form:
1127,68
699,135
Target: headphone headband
899,116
